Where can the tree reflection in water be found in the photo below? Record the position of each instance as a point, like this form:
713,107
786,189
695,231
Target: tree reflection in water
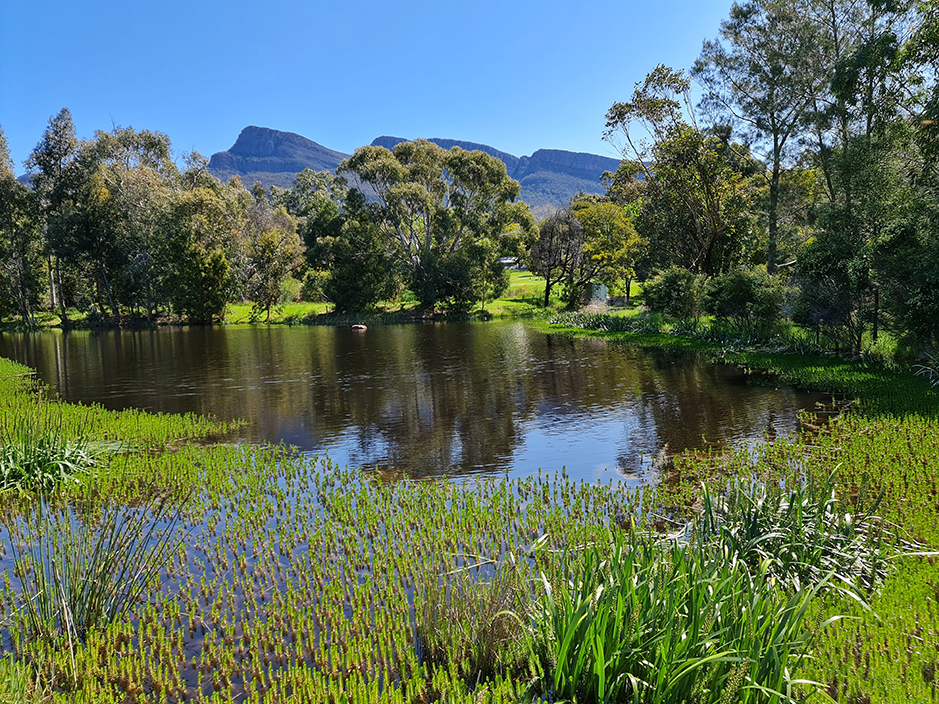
422,400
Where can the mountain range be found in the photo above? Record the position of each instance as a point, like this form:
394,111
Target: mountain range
548,178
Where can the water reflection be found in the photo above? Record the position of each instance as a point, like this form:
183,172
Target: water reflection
425,400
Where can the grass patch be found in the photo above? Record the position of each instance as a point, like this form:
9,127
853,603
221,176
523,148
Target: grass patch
38,453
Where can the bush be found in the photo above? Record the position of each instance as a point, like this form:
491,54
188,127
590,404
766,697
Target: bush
676,292
290,290
747,298
311,290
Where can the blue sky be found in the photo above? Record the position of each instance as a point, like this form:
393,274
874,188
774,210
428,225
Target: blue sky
518,76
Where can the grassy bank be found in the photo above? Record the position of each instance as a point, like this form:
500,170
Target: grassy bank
289,579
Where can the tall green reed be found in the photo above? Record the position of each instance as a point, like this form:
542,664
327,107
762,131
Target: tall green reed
81,572
474,624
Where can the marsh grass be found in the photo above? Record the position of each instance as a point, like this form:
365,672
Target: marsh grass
20,684
800,534
82,572
656,622
38,451
475,625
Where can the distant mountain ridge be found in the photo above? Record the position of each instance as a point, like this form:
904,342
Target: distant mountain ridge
548,178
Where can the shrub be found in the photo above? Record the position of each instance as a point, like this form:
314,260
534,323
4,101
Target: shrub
314,281
676,292
746,298
799,536
289,290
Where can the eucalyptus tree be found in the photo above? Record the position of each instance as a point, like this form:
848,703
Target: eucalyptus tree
127,180
558,247
53,171
433,203
694,204
343,240
21,251
762,75
204,231
863,146
274,252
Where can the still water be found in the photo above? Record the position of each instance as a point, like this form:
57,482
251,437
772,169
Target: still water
423,400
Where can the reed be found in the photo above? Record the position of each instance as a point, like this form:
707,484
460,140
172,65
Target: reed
475,625
82,572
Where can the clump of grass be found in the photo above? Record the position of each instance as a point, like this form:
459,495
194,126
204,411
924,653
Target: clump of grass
668,622
19,684
37,452
800,535
79,573
473,624
929,369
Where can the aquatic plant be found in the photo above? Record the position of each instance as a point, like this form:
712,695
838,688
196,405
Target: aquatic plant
81,572
799,533
652,621
929,369
20,684
37,452
475,625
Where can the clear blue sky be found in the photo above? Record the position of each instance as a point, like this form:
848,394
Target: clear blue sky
518,75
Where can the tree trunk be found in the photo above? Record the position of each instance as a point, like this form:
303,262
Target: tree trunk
107,290
773,217
63,314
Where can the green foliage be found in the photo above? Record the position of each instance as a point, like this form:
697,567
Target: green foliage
21,262
273,255
290,291
432,204
905,265
693,204
747,298
801,535
473,625
351,246
676,292
203,285
80,573
664,622
19,684
826,295
314,281
38,452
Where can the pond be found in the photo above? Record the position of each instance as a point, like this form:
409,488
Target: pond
424,400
